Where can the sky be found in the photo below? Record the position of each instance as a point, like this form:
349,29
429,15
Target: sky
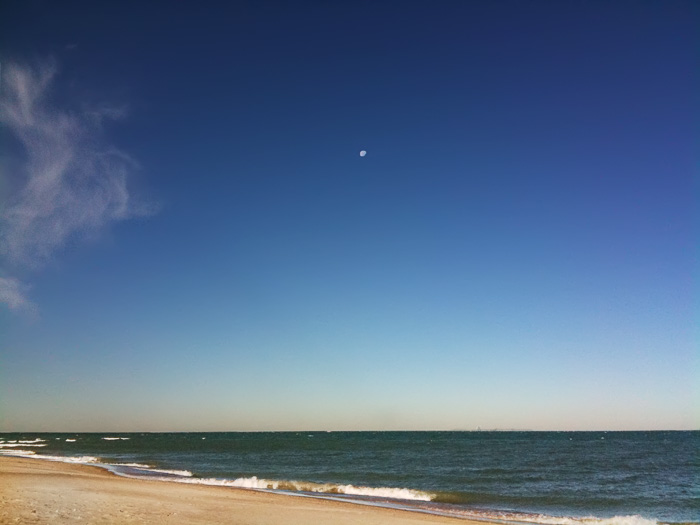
190,239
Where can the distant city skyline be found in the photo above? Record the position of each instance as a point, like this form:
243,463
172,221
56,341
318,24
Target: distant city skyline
348,216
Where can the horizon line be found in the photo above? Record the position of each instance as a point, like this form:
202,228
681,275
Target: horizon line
327,431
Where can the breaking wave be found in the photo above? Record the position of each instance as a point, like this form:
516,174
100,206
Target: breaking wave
18,452
332,488
300,486
22,444
407,499
183,473
63,459
400,498
70,459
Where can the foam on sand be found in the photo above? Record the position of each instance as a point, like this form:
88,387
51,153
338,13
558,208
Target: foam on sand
591,520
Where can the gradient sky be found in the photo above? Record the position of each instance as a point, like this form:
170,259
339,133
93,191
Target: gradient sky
191,240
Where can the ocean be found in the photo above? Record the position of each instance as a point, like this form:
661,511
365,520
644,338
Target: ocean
626,478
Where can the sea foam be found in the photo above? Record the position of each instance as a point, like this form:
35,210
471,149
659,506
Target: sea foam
22,444
63,459
70,459
591,520
18,452
332,489
183,473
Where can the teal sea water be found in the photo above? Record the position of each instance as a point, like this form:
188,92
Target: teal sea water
542,477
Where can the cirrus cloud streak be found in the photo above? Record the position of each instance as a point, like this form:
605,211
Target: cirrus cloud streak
71,182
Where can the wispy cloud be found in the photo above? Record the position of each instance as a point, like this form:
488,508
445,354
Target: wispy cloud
72,181
12,294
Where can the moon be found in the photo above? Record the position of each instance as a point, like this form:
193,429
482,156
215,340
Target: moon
363,153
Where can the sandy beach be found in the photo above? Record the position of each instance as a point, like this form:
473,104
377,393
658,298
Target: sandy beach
37,491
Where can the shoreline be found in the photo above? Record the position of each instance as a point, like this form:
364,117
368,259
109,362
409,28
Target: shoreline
33,490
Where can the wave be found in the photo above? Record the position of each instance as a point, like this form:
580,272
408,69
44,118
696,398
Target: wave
402,498
115,438
69,459
299,486
332,488
22,444
63,459
520,518
182,473
406,499
543,519
591,520
461,509
18,452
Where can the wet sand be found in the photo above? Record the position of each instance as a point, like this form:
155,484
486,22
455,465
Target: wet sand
38,491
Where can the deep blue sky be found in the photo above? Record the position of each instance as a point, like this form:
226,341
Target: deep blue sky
516,250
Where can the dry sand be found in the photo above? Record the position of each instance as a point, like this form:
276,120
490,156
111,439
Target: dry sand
37,491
